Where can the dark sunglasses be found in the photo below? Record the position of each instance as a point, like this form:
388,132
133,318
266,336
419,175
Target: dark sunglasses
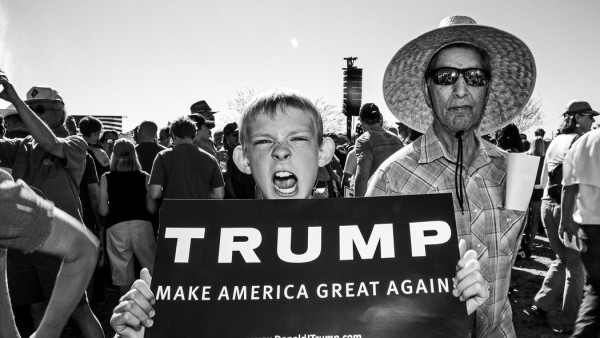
475,77
40,110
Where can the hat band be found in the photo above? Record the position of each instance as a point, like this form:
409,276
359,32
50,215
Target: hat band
578,111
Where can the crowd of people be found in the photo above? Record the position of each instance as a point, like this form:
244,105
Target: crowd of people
72,192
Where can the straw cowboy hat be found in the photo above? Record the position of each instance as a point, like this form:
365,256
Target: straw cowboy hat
512,73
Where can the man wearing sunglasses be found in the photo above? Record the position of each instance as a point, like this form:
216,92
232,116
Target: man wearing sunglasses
455,84
53,163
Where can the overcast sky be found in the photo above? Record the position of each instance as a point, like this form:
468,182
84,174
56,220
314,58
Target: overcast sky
152,59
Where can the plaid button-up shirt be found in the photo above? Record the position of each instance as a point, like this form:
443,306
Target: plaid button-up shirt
424,167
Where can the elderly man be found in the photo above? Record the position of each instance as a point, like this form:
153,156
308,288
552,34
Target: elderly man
455,83
52,162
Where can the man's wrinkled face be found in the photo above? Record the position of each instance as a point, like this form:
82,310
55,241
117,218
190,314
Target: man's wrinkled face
457,106
283,154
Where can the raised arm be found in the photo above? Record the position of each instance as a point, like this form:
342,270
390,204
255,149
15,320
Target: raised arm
38,129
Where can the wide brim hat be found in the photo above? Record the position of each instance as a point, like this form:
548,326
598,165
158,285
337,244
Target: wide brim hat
513,73
577,106
201,107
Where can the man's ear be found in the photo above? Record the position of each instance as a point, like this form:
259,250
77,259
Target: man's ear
326,151
241,161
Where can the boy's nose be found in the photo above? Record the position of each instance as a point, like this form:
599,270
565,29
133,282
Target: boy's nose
281,152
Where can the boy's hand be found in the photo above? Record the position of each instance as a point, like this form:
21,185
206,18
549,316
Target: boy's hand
134,312
470,285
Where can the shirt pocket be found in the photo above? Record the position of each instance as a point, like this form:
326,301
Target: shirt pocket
509,228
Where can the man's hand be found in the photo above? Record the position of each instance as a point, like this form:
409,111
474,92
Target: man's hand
569,195
9,93
570,227
134,312
470,285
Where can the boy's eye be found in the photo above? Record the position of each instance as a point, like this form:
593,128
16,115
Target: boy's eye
300,138
258,142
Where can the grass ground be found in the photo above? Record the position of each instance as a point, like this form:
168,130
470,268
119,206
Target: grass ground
527,277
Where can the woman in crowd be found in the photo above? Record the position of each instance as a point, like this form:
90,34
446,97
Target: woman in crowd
107,141
123,200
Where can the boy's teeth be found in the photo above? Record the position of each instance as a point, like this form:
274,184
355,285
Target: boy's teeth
282,174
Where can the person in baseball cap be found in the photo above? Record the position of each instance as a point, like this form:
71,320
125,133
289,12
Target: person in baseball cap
202,108
53,162
14,126
373,147
46,103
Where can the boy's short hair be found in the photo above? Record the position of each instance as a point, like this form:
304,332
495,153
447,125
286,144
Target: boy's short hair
89,125
269,101
184,127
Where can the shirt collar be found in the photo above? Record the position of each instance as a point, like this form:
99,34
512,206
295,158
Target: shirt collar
432,149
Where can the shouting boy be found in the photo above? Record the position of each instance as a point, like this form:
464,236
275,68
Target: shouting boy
282,146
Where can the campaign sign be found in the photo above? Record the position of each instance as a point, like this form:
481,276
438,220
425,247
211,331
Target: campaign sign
359,267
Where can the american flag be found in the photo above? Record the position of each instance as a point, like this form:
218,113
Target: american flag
109,122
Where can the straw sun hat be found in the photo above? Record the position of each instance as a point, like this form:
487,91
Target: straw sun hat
512,77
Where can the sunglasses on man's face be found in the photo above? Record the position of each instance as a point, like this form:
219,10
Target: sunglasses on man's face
40,110
474,77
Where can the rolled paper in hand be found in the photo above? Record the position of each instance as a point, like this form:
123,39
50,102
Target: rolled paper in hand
520,178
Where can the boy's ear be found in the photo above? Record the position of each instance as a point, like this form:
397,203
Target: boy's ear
241,161
326,151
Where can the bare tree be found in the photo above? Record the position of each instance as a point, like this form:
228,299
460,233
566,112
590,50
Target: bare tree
333,119
242,97
530,117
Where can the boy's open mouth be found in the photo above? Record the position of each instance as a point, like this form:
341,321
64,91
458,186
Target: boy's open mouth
285,183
